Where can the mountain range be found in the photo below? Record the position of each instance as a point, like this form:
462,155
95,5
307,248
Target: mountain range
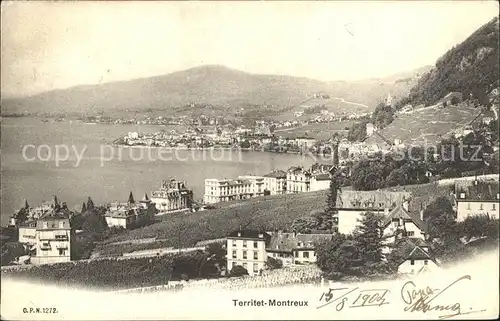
219,89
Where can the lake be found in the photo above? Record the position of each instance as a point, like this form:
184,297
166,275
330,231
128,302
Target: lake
88,166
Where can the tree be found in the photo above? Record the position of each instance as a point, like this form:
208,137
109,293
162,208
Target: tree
304,225
90,204
439,206
245,144
131,198
478,226
454,100
357,132
238,270
396,178
338,257
84,208
273,263
382,116
368,238
331,204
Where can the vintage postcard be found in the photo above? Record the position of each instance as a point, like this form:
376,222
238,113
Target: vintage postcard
249,160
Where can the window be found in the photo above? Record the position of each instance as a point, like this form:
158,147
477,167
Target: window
44,225
468,206
410,233
233,264
255,255
306,255
426,262
296,254
62,252
494,206
245,266
255,268
412,262
234,254
255,245
244,243
244,255
481,206
234,243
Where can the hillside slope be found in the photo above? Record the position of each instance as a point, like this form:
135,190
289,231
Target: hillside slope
224,88
470,68
429,124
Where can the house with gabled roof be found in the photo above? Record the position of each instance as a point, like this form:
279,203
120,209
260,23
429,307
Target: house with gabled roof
401,223
247,248
417,258
293,248
477,198
352,204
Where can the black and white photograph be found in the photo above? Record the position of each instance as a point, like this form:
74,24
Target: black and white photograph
249,160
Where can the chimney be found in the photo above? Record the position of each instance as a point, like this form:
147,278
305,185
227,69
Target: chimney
261,236
422,208
498,196
239,234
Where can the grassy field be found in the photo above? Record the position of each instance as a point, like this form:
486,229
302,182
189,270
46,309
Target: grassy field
429,124
321,131
185,230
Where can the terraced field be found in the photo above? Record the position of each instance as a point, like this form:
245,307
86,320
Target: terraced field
429,124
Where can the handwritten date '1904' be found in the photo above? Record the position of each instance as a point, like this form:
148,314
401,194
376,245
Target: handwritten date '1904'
359,298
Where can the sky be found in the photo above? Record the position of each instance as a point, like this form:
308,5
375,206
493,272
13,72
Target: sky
49,45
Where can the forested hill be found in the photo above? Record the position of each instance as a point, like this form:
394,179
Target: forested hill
470,68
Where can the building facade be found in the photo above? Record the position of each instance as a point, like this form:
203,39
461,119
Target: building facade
477,198
225,190
173,195
298,180
320,182
292,248
275,182
418,261
352,204
247,248
131,214
53,239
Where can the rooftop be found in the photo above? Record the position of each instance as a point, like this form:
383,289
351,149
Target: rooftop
371,199
477,190
277,174
401,213
287,242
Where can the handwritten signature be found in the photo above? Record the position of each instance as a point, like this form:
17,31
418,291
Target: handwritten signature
364,298
421,299
416,299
